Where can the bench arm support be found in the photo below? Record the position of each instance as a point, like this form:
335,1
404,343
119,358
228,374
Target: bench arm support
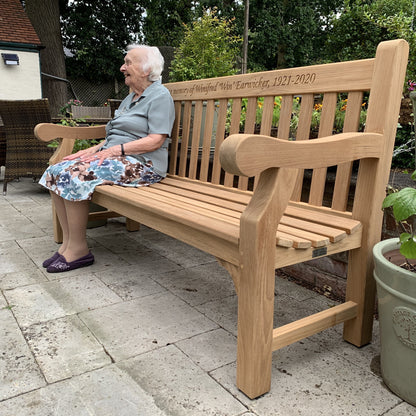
66,135
249,154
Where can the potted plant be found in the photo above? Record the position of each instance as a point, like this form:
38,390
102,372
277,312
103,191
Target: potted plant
395,275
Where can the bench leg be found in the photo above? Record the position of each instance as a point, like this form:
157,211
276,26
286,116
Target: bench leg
255,331
57,229
132,225
360,289
257,279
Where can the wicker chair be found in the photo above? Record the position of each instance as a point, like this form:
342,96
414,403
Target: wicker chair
26,156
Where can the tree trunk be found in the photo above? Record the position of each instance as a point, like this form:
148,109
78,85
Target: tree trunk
45,18
245,36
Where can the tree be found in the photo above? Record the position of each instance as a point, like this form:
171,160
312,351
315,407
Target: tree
165,20
44,16
97,32
362,25
353,35
285,33
209,49
397,17
245,36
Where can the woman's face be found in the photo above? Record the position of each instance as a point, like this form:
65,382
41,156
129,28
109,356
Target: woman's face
134,75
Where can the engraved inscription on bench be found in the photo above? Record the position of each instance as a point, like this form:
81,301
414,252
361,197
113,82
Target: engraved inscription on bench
253,82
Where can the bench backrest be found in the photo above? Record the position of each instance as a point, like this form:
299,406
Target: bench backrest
293,104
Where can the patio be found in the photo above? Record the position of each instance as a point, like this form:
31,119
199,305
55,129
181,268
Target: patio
150,329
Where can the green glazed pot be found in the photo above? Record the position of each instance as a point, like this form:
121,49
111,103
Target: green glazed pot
396,291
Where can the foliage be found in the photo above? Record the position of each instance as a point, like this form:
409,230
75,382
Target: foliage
226,9
403,205
208,49
65,110
285,34
363,24
404,147
396,17
340,112
67,120
353,35
96,33
165,19
259,112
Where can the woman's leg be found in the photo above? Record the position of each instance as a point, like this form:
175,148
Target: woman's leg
61,213
77,219
73,217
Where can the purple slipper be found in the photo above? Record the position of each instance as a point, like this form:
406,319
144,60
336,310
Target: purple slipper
61,265
49,261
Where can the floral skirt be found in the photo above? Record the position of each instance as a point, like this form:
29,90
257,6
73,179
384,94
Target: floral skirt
75,180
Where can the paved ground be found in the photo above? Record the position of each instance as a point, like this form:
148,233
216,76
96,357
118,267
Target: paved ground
150,329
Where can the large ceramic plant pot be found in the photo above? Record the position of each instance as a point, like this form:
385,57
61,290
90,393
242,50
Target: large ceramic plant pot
396,290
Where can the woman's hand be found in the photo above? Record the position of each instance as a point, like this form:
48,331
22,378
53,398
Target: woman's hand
144,145
81,153
111,152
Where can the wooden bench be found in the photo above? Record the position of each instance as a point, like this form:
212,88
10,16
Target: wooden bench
206,200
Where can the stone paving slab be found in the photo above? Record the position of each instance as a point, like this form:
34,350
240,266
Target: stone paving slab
403,409
287,309
210,350
21,278
140,325
13,258
46,301
19,372
120,243
172,249
183,388
65,347
199,284
24,228
308,379
3,303
129,283
104,392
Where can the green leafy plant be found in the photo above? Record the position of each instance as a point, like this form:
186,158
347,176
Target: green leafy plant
67,120
209,49
65,110
403,206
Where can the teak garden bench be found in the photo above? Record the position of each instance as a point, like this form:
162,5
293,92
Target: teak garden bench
206,200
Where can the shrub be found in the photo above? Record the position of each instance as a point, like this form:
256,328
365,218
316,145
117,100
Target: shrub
208,50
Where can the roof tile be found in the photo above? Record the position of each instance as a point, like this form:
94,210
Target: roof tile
15,26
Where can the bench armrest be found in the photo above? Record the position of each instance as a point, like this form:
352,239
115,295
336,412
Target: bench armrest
249,154
66,136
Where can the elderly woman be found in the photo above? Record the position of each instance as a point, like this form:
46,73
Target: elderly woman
134,153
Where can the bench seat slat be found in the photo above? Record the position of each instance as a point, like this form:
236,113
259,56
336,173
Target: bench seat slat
300,227
288,240
324,216
291,237
316,239
187,204
120,195
233,194
209,218
201,197
319,215
188,199
334,234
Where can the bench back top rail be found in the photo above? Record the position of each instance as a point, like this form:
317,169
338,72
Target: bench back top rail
209,110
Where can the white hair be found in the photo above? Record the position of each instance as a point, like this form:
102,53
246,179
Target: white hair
154,60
